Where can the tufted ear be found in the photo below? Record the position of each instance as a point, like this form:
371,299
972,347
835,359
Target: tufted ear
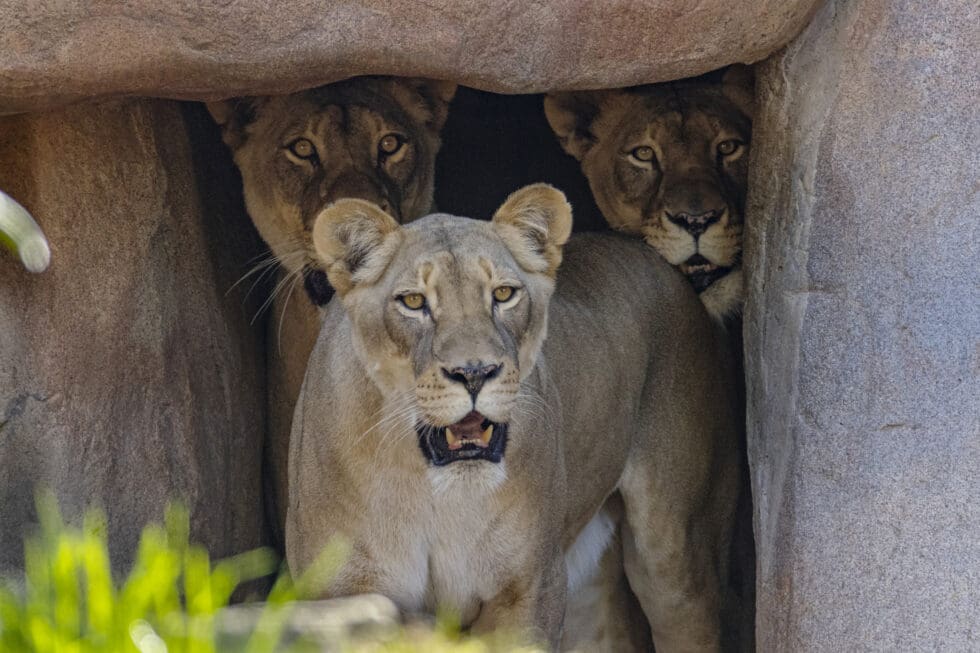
233,116
738,85
535,222
571,116
355,241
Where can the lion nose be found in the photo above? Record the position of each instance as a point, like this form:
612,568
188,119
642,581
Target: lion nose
472,376
696,224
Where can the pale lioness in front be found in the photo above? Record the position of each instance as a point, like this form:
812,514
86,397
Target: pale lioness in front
468,409
669,162
372,138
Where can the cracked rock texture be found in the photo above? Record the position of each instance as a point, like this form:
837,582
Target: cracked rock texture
128,375
861,331
59,52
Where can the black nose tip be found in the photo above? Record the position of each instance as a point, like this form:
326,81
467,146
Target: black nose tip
695,223
472,376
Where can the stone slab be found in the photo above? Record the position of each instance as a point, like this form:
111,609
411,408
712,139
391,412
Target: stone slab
55,53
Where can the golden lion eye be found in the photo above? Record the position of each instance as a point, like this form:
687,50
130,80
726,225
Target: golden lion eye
503,293
643,153
729,147
413,300
390,143
303,148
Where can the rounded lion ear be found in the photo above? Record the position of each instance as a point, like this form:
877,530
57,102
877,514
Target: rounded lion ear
436,96
535,222
355,241
571,116
738,85
233,116
220,111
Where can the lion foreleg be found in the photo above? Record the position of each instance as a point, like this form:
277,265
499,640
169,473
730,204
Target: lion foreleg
532,607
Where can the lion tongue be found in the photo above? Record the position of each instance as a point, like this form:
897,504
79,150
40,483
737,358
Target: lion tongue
468,430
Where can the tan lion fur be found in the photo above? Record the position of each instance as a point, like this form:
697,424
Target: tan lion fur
344,122
590,412
683,122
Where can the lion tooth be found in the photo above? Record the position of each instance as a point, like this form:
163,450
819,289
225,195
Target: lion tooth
487,434
451,438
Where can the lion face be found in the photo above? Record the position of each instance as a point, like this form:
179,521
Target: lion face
370,138
668,162
449,314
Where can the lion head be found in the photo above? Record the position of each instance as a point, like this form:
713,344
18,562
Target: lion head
448,314
372,138
670,162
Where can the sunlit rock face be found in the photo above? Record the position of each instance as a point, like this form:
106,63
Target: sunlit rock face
129,374
861,327
194,50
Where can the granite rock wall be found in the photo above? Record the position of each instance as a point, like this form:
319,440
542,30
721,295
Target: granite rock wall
129,375
861,331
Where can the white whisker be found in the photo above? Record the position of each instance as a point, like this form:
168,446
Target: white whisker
283,282
269,259
282,314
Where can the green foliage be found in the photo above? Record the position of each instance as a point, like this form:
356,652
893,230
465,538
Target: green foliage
168,603
69,602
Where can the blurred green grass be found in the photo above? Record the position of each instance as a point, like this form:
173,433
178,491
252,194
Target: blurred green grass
69,601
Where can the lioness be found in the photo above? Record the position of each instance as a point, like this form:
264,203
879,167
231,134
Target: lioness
373,138
468,409
670,162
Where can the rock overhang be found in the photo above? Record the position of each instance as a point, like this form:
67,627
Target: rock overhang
205,51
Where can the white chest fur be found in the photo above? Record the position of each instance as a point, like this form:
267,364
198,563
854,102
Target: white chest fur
456,544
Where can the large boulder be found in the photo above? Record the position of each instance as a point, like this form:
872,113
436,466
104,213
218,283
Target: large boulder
128,374
54,53
861,331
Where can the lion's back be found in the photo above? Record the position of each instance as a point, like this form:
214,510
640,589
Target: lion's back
621,289
625,332
620,316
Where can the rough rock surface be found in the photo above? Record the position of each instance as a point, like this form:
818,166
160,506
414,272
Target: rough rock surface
325,626
58,52
128,374
861,331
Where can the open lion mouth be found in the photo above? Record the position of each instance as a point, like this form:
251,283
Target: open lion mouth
701,272
472,438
